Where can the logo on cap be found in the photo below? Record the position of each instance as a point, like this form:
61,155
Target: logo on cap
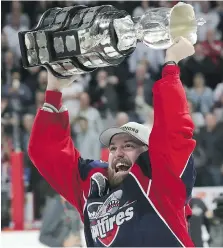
131,129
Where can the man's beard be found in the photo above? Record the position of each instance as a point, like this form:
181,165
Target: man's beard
115,178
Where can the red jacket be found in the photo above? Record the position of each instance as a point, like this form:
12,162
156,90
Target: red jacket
152,212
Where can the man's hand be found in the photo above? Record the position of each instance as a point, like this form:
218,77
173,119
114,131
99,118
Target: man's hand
57,84
181,49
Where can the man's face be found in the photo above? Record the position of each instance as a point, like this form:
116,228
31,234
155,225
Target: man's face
83,125
28,120
9,58
141,71
102,75
84,100
40,97
210,120
199,51
199,81
42,77
124,150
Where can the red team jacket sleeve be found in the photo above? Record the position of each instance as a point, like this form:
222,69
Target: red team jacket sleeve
172,132
170,143
52,151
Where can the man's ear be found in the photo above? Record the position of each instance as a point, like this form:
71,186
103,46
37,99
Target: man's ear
145,148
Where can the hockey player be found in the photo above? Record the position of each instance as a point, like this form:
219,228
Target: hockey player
139,197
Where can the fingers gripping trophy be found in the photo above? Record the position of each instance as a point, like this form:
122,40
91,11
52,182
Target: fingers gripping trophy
77,39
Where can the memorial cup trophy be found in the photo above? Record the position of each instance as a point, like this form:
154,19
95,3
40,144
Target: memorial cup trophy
77,39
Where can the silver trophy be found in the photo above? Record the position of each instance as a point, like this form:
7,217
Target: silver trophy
78,39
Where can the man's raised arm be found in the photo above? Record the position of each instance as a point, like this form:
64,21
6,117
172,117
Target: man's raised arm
51,148
171,142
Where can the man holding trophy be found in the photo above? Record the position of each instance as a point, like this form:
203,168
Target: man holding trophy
140,196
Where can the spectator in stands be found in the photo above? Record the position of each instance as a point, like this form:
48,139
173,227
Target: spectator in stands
149,119
211,139
143,110
142,82
6,147
11,30
42,6
218,92
31,80
61,224
166,4
27,123
154,58
85,139
33,178
120,4
90,113
40,97
121,119
213,48
16,10
199,63
4,44
203,177
6,115
219,10
140,10
218,105
18,93
103,93
201,95
9,65
42,80
197,220
217,227
39,100
210,16
196,116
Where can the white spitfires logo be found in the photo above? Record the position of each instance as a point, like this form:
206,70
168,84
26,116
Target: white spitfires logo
106,218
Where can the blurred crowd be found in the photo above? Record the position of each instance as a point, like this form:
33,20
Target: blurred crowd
110,96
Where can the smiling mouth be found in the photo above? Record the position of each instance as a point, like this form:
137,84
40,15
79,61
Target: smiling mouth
122,167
